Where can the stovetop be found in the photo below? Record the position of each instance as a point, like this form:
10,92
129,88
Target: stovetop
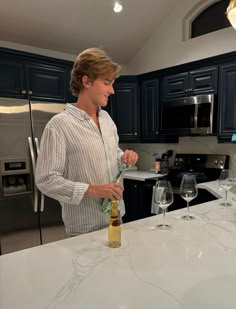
196,161
206,167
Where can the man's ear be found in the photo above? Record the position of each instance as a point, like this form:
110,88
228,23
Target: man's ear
86,81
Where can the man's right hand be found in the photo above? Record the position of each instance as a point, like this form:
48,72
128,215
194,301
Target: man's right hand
110,190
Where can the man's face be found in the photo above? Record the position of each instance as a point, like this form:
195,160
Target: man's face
100,90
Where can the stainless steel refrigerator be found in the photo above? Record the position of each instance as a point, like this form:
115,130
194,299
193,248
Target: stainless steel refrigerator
27,217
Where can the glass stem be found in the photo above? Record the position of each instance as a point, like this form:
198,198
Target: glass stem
188,206
226,197
164,217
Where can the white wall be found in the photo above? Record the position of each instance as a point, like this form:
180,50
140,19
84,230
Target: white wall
166,47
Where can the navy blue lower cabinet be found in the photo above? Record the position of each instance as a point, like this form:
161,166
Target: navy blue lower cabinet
137,197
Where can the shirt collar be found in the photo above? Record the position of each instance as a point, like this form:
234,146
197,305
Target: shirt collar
79,113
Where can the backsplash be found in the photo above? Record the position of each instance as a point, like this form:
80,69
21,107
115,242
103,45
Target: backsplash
188,144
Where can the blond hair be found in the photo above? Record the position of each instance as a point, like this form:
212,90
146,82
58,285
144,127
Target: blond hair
94,63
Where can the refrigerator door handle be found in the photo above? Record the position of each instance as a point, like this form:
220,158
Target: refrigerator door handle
33,166
42,195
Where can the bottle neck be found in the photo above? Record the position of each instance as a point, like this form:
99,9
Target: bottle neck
114,209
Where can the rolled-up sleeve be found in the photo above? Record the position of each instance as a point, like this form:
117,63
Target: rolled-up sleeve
50,170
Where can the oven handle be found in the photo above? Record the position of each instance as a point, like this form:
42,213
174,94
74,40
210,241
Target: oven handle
42,195
33,168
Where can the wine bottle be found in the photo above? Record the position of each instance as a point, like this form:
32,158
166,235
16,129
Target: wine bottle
114,229
106,202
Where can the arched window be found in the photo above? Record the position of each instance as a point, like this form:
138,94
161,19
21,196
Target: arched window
205,17
213,18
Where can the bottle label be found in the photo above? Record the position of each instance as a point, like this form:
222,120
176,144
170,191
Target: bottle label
158,167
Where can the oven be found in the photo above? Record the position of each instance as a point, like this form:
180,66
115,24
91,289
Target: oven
205,167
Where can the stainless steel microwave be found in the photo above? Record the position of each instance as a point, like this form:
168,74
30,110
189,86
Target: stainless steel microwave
194,115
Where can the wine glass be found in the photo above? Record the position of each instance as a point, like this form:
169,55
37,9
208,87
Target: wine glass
234,184
226,182
188,191
163,197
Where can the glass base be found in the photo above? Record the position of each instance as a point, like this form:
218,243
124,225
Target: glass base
227,204
164,227
188,217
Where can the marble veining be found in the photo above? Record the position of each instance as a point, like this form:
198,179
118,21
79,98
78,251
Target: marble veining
191,266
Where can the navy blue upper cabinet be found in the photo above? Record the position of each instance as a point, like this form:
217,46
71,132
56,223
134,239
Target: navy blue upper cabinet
12,80
70,97
123,107
24,75
150,110
110,108
174,86
201,81
126,105
46,82
227,101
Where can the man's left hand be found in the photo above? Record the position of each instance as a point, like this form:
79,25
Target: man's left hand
129,157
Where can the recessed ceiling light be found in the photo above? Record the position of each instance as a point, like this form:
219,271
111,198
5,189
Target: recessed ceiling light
117,7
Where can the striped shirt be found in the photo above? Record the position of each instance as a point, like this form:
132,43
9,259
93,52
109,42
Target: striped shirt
73,154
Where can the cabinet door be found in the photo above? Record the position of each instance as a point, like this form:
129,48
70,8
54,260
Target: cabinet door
69,95
150,110
11,79
46,82
127,112
174,86
203,81
227,102
110,108
133,201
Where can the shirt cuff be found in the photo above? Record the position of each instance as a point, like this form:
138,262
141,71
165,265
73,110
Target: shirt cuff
79,191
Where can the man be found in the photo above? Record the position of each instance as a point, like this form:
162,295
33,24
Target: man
79,154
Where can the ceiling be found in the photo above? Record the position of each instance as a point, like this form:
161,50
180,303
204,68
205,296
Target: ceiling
70,26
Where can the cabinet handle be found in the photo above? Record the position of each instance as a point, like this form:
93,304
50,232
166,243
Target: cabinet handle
30,92
23,91
190,89
135,133
157,132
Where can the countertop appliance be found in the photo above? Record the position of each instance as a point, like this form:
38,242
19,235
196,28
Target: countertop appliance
195,115
206,167
27,217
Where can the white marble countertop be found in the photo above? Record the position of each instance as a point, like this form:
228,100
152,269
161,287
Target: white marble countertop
141,175
192,266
